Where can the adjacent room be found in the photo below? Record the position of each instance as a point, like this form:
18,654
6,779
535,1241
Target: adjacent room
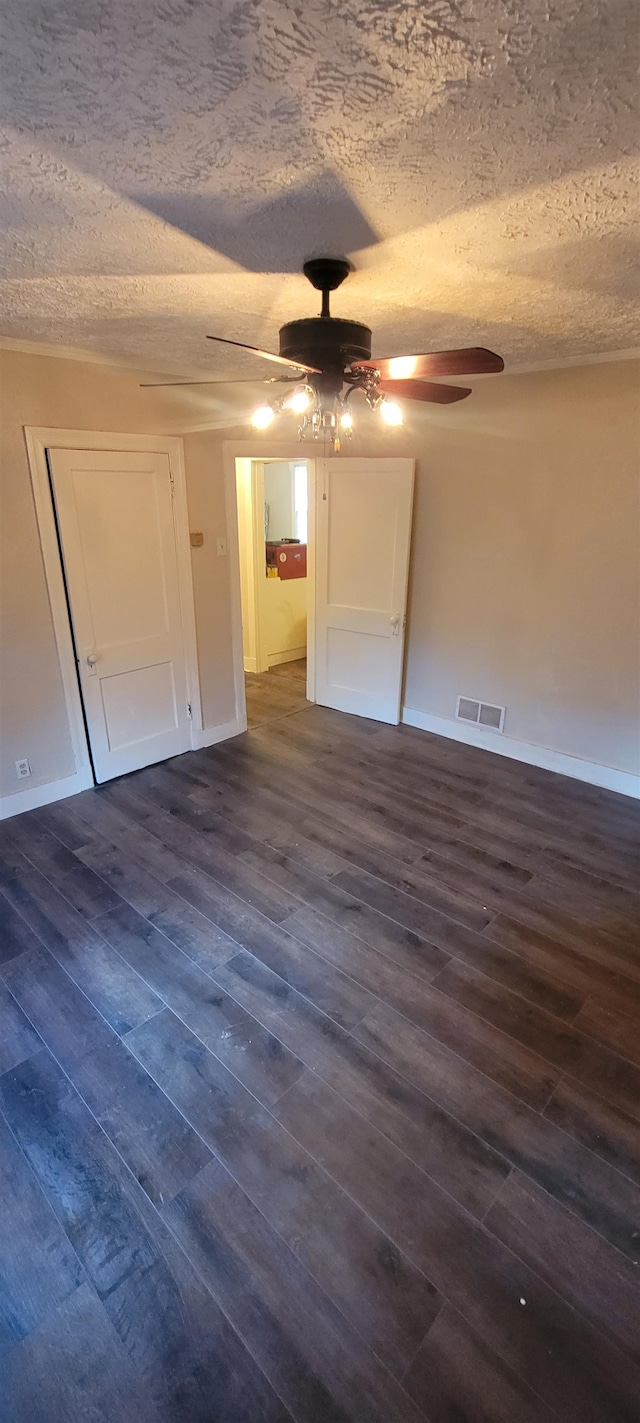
319,712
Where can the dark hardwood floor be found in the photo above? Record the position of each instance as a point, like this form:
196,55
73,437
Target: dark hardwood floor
276,693
320,1090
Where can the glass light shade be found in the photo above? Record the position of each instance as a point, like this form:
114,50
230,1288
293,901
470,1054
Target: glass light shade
262,417
346,420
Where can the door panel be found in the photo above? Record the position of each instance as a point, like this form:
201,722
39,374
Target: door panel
363,533
115,516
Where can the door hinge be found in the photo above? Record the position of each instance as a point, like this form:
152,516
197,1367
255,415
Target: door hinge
189,711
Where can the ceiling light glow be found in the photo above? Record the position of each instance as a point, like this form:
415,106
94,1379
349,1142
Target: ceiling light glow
391,413
299,401
401,366
262,417
346,420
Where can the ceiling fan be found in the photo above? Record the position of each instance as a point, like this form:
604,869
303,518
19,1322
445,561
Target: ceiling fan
331,359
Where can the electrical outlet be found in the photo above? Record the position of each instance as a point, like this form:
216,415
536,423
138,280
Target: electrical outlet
23,769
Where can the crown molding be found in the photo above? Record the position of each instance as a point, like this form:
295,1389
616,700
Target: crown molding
76,353
567,363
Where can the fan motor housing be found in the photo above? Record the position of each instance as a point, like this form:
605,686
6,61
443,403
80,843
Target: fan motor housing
329,343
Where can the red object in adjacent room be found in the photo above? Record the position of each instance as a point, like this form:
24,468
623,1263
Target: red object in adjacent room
289,559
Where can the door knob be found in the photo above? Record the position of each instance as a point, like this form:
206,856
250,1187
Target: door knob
395,623
91,659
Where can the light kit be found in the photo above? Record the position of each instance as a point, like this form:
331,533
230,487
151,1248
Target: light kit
327,359
327,414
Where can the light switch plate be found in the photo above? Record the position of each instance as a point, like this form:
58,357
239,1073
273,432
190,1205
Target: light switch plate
221,545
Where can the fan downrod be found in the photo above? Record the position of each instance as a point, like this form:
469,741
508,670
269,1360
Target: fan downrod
326,274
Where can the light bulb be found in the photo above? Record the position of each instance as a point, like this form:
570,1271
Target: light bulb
262,417
299,401
346,420
391,413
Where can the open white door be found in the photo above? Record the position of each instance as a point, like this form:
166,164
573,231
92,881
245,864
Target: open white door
363,524
116,523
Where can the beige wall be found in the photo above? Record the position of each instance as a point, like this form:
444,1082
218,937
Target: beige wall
525,567
212,577
39,390
525,561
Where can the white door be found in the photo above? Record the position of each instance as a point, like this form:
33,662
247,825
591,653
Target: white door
363,529
115,517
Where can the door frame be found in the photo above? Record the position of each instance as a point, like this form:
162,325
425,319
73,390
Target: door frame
38,440
258,451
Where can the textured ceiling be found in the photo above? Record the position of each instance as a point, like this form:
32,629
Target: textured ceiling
169,164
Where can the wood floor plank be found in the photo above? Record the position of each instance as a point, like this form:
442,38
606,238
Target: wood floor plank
581,1181
217,863
562,1044
453,1154
255,1056
34,1278
457,1376
584,933
225,915
376,929
524,1073
571,1257
181,1348
158,1145
136,866
313,1357
73,1367
320,1054
564,963
18,1039
177,920
114,989
591,901
88,894
56,1007
160,1148
465,944
16,936
598,1124
545,1342
407,909
388,1300
375,828
615,1030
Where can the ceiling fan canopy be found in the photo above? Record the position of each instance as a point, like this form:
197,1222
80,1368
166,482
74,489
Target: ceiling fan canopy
330,358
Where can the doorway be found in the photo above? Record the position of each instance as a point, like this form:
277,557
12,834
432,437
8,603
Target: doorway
358,542
113,525
273,533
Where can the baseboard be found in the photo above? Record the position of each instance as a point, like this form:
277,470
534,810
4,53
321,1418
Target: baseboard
210,735
606,776
295,654
38,796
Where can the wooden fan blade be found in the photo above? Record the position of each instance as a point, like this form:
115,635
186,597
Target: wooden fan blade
267,355
473,360
425,390
233,380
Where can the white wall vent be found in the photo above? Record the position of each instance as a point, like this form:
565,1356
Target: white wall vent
480,713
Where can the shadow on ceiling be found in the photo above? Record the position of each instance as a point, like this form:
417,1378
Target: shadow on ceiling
319,218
